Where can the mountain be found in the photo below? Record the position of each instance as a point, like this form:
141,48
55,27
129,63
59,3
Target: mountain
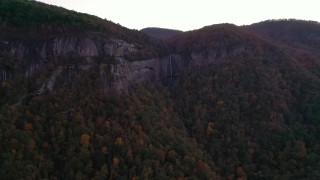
296,33
300,38
39,34
247,106
85,98
42,22
161,33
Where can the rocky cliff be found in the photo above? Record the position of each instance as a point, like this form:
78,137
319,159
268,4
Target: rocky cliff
86,45
5,73
39,53
91,46
125,73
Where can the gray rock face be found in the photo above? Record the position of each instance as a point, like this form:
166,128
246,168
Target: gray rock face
83,47
18,50
121,74
5,74
67,45
39,52
126,73
48,84
63,46
119,48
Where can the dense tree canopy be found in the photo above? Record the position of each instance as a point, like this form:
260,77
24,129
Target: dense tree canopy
252,114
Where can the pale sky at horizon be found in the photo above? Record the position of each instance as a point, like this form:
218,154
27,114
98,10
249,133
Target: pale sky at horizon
191,14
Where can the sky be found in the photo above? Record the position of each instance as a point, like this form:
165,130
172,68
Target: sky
192,14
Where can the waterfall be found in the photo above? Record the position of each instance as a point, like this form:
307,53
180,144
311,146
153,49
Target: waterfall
170,67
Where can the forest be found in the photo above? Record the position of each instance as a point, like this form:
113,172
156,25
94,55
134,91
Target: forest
253,113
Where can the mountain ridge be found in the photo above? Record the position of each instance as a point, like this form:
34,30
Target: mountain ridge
161,33
107,102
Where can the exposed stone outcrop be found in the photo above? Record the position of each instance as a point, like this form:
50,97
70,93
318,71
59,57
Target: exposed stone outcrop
39,52
125,73
48,84
119,48
86,46
121,74
83,47
5,74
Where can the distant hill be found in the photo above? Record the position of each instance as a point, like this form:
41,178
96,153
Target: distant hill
295,33
216,37
161,33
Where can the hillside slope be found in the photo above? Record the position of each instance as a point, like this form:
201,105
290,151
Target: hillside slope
297,33
84,98
42,22
255,105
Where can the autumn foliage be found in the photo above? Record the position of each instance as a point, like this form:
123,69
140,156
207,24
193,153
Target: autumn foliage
253,113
